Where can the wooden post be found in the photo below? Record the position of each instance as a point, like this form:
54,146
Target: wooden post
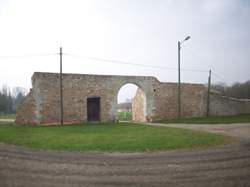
208,92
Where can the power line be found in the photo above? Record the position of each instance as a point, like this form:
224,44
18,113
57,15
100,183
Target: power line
133,64
119,62
199,57
103,60
114,62
220,77
216,74
29,55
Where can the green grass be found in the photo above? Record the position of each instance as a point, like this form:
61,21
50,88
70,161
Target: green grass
7,116
210,120
107,137
124,116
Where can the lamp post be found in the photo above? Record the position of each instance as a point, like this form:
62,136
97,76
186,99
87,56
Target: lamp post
179,75
61,90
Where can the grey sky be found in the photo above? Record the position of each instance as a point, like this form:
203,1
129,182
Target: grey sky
138,31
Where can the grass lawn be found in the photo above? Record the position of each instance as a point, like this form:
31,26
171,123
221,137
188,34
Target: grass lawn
210,120
124,116
124,137
7,116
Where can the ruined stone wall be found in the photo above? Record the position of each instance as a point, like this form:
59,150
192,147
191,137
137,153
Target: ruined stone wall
139,106
221,106
193,100
76,89
193,97
26,111
165,96
154,100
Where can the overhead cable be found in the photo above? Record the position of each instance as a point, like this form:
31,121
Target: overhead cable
132,64
28,55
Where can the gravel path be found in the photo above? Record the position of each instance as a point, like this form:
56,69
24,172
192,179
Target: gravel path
221,166
241,130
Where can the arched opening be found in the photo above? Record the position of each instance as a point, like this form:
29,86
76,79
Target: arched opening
131,103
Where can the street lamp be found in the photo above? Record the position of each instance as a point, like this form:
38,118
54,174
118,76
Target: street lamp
179,75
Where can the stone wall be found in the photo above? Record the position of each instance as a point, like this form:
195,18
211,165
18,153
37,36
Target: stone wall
154,100
193,100
45,105
26,113
221,105
139,106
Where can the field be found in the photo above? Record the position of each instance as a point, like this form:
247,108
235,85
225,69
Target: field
122,137
210,120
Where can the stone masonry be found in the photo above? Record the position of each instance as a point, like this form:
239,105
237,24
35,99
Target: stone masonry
193,101
154,100
221,105
42,105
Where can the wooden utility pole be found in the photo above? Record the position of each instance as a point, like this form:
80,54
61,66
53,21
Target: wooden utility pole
208,92
61,91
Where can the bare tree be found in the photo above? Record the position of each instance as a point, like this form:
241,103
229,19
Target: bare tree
9,101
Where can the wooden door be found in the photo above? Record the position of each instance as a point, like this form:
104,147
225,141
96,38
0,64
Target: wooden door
93,109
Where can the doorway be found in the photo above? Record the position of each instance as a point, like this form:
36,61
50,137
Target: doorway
93,109
131,105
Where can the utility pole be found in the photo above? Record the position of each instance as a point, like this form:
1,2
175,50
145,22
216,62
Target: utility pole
61,94
179,80
179,75
208,92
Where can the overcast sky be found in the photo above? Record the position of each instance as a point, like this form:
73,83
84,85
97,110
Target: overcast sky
136,31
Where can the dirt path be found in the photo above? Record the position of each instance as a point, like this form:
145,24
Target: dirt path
235,130
7,120
221,166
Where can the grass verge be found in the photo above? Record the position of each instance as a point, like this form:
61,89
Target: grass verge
7,116
210,120
108,137
124,116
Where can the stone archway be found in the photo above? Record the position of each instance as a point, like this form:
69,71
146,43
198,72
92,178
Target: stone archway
138,102
145,84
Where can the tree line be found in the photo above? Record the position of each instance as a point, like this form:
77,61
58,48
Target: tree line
237,90
10,99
